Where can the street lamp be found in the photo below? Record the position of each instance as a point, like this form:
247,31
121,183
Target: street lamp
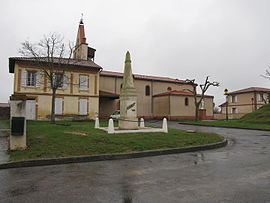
226,94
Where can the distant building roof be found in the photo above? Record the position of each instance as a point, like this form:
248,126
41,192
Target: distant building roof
87,64
4,104
180,93
142,77
250,89
223,104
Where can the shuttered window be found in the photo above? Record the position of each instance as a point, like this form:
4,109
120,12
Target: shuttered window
260,97
30,78
84,82
234,99
58,106
60,80
83,107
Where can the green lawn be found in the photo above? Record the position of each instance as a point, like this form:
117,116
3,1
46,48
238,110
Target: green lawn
46,140
4,124
260,116
230,123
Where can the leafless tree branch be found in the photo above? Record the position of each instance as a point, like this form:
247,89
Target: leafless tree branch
203,87
52,56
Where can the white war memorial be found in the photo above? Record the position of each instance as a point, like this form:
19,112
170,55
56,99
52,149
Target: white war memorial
128,121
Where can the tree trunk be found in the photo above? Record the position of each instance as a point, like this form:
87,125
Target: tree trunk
53,106
196,112
196,104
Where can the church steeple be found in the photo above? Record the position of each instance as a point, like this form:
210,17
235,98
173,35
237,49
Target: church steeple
81,21
82,51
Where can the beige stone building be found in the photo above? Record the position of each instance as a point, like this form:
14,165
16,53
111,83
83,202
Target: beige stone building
78,95
87,91
244,101
158,97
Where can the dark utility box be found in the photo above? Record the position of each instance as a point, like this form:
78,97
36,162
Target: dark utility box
17,126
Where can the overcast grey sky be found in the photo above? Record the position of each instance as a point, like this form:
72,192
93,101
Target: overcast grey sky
229,40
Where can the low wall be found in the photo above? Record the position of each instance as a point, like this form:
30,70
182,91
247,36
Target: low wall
182,117
222,116
4,113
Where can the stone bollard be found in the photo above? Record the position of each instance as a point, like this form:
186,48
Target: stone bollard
111,126
141,123
96,123
165,125
17,139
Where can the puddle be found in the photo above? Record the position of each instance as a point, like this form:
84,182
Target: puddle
22,191
4,157
265,135
200,158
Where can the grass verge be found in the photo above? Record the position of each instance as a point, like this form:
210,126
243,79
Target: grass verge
230,123
46,140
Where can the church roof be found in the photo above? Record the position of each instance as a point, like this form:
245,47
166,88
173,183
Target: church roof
87,64
142,77
179,93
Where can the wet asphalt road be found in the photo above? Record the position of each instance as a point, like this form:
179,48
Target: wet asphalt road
4,157
239,172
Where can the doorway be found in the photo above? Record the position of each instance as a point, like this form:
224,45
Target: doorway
31,110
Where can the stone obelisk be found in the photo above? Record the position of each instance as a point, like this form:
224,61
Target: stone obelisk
128,99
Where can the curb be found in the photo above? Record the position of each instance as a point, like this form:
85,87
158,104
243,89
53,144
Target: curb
218,126
104,157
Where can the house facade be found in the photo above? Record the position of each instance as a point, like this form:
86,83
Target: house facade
244,101
77,96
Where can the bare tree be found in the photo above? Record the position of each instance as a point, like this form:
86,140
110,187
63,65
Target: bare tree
52,55
216,110
267,76
199,98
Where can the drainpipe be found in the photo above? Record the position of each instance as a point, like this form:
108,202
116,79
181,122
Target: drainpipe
255,101
169,118
152,102
252,103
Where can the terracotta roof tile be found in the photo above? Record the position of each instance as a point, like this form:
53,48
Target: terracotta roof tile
181,93
250,89
143,77
64,61
223,104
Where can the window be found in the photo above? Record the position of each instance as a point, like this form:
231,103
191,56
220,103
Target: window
234,110
30,78
60,80
83,107
234,98
260,97
84,82
58,108
169,89
186,101
147,90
